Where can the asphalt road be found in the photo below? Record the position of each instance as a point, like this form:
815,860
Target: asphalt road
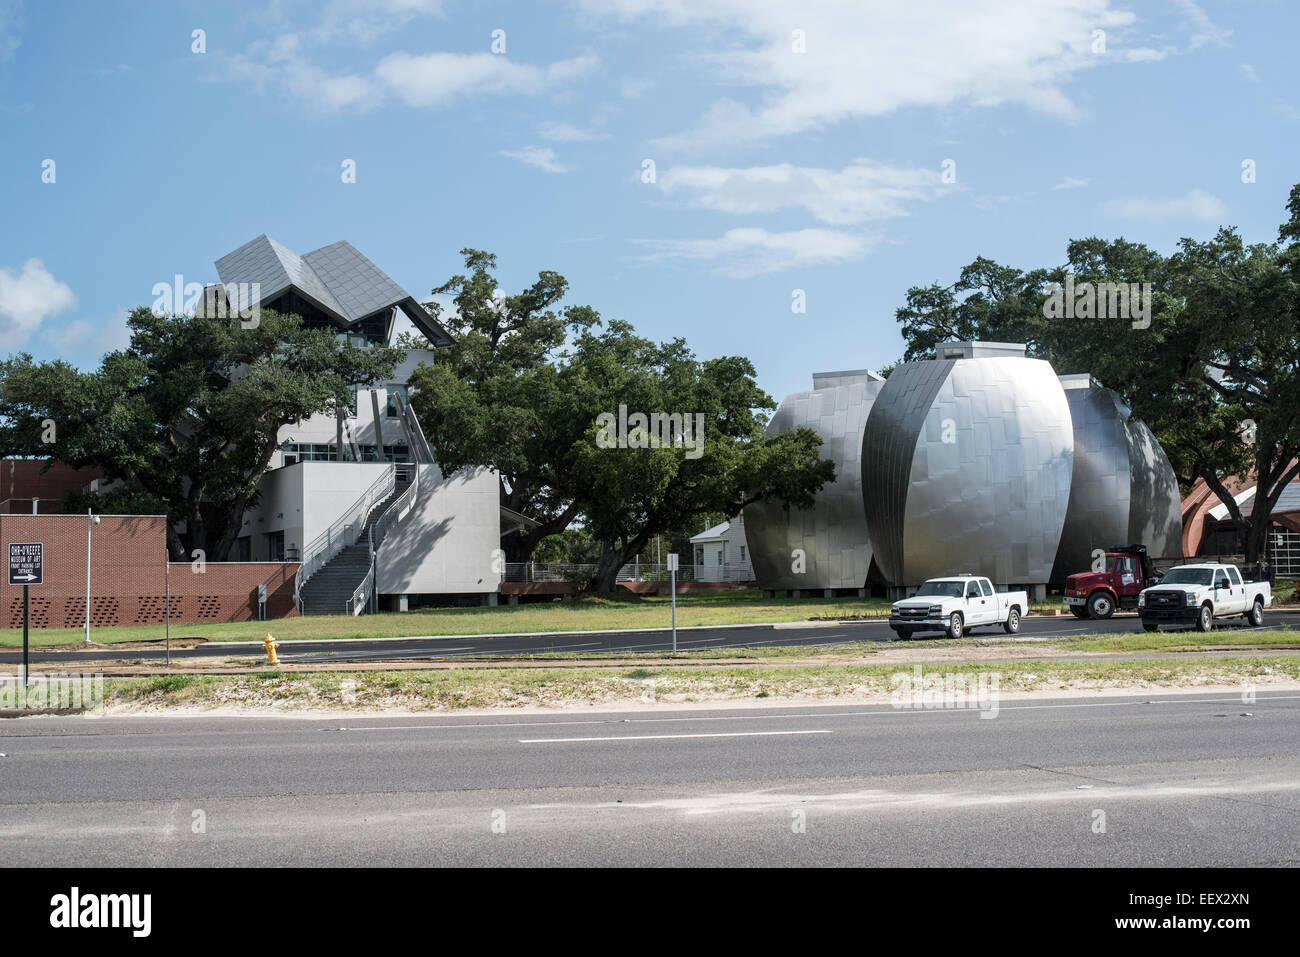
1186,780
744,636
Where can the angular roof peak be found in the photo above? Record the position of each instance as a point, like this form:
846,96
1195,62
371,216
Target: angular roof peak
337,278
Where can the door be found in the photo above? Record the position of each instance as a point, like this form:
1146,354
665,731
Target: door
1128,580
978,611
1228,599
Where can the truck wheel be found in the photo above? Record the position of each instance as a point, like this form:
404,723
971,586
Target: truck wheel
1012,624
1100,605
902,633
1147,627
1256,616
1205,620
1078,611
955,624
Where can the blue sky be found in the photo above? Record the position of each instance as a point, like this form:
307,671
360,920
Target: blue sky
775,169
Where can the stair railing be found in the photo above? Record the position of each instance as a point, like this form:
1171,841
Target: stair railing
345,531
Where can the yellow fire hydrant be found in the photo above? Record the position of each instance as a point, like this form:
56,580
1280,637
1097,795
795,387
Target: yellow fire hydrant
270,644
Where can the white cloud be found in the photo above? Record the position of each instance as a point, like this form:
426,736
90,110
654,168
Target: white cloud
421,80
1250,73
874,57
740,253
635,88
1203,30
28,296
543,157
91,340
1197,204
367,22
10,21
862,191
434,79
1072,182
568,133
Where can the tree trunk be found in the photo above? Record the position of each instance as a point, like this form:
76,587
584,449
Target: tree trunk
605,578
613,558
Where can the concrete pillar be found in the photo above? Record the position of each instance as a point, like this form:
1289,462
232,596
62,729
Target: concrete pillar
862,593
514,599
794,593
828,592
403,603
490,598
1037,592
769,593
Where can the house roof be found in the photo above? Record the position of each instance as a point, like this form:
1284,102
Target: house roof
336,278
709,534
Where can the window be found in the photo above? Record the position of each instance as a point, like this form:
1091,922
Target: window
394,389
1236,578
986,586
972,590
742,553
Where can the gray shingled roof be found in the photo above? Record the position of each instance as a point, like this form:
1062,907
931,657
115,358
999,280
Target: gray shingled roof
337,277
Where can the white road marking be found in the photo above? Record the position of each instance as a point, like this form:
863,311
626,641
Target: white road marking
816,713
662,737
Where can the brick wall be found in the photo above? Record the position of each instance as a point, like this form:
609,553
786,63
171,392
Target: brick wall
127,584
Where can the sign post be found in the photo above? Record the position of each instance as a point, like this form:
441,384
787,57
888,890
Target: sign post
167,602
26,568
672,569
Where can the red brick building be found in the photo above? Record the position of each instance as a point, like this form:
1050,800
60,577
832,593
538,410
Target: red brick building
128,575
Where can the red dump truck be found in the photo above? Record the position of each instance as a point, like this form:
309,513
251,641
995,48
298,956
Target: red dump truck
1096,594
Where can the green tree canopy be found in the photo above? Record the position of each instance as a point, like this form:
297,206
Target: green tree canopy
188,415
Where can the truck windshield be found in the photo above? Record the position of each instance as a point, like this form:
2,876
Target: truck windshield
941,590
1188,576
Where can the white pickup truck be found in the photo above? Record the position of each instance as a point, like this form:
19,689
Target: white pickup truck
954,605
1198,594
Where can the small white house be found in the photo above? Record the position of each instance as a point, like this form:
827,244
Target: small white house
721,553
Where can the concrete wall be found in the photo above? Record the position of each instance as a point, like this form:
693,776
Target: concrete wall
447,542
304,500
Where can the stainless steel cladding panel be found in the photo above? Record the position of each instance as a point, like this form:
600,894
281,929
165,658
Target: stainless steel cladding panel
966,468
1124,489
1155,503
1098,514
832,536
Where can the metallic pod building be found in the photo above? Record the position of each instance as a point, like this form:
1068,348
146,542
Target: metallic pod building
1123,488
825,547
981,460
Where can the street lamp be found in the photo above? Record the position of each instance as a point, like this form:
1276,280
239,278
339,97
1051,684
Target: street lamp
90,520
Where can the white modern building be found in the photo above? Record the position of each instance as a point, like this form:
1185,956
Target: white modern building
356,497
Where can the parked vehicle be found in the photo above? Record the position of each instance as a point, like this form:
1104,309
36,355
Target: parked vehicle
955,605
1198,594
1097,594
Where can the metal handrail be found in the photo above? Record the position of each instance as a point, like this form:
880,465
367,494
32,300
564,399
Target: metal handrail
362,594
564,571
422,447
401,505
343,532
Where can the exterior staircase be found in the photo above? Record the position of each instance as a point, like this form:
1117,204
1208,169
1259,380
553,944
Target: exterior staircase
329,591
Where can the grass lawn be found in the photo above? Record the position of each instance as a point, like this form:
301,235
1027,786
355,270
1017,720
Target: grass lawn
1182,640
741,607
516,687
